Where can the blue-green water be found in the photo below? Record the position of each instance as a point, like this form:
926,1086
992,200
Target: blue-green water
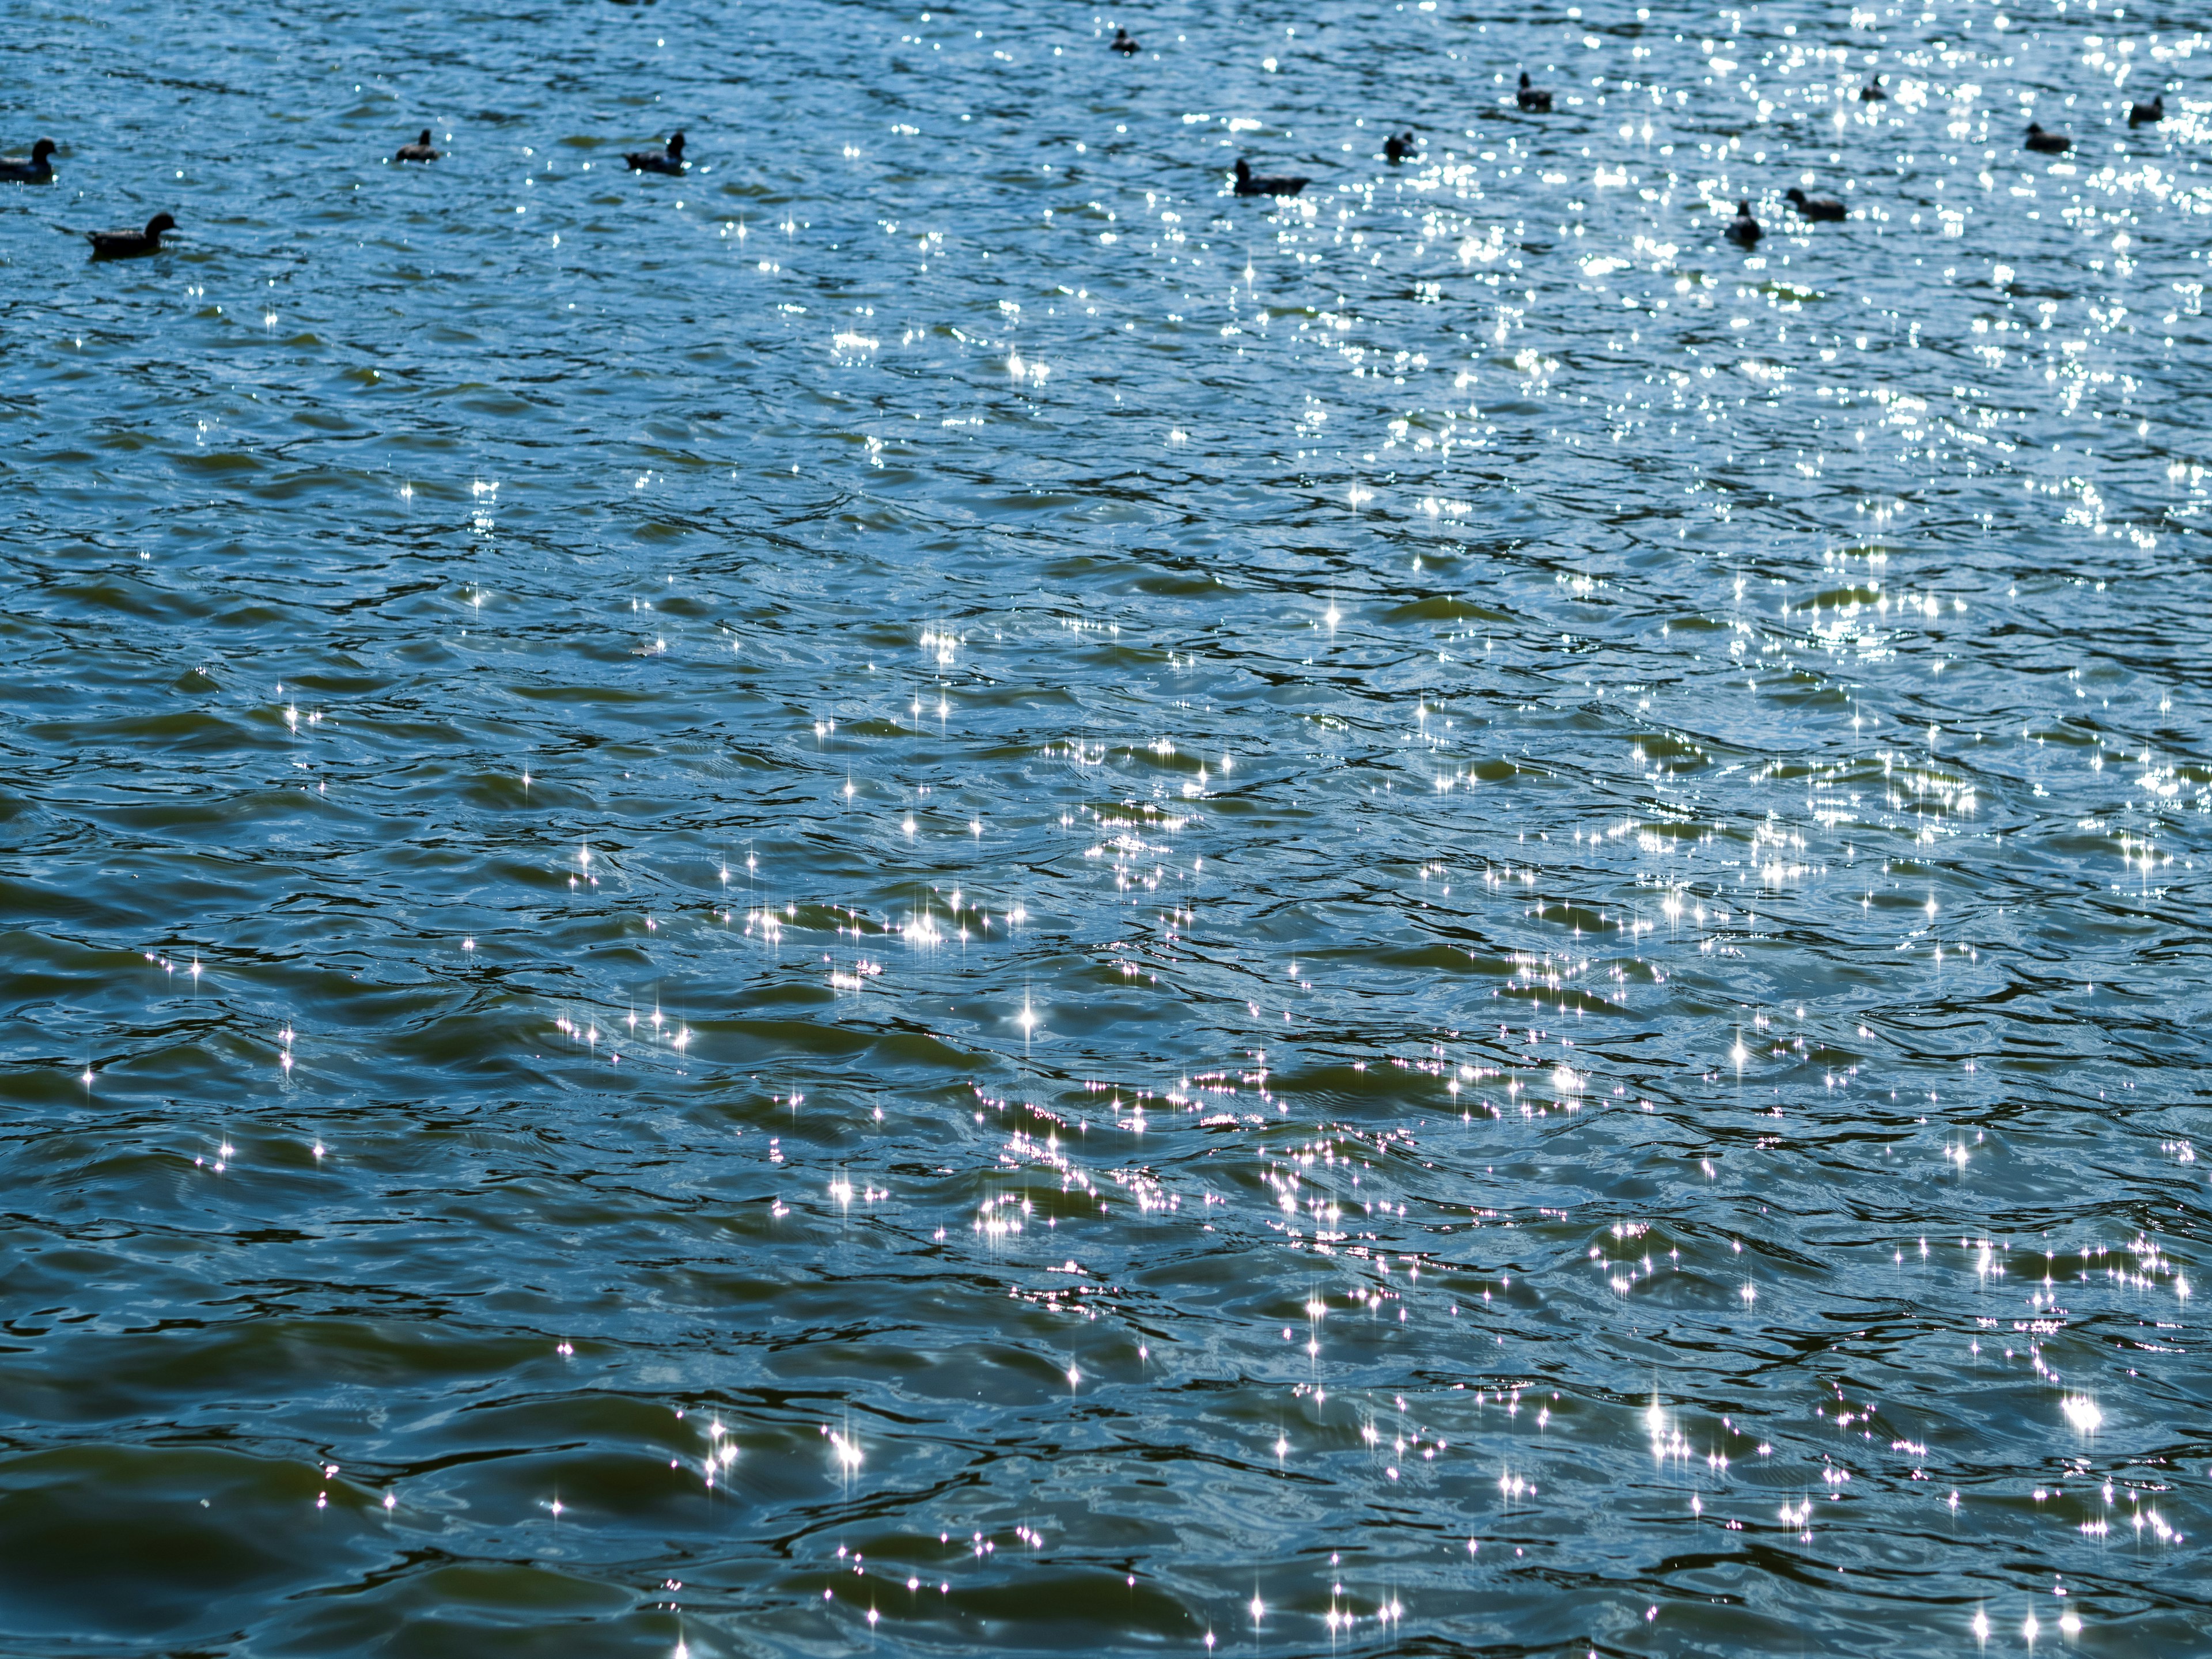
933,894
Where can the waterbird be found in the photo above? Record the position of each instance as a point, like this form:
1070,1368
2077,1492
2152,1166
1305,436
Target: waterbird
2049,143
2148,114
130,244
1536,99
1871,92
670,161
1743,228
1124,42
34,170
1815,207
1398,146
420,150
1249,183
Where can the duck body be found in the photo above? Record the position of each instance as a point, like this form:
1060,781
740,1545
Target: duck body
2151,114
2047,143
131,244
420,150
1743,230
1249,183
34,169
1815,207
1537,101
1399,147
1125,43
668,160
1871,92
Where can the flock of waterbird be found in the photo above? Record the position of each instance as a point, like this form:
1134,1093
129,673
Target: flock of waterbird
38,168
1744,230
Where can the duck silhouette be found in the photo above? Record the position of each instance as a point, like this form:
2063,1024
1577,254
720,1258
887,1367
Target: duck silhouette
1399,147
2151,114
131,244
420,150
35,170
1815,207
1743,230
668,160
2047,143
1536,99
1124,42
1249,183
1871,92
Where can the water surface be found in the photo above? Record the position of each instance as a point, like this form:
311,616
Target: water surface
934,894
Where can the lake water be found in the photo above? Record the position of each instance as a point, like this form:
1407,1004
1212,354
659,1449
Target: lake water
933,894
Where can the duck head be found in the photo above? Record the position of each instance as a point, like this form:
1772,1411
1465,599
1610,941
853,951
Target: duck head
1743,209
1524,80
1792,194
157,224
676,144
1243,169
425,139
41,150
2034,129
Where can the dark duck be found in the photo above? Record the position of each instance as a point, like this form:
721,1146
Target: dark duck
1400,146
1871,92
1249,183
2047,143
420,150
35,169
1537,101
668,160
1743,230
1814,207
2148,115
1125,43
131,244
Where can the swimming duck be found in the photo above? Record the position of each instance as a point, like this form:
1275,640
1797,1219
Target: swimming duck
1124,42
420,150
38,170
1536,99
2148,114
131,244
1399,147
1249,183
2050,144
1815,207
1743,229
668,160
1871,92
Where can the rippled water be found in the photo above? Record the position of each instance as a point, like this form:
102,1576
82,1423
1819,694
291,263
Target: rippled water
934,894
